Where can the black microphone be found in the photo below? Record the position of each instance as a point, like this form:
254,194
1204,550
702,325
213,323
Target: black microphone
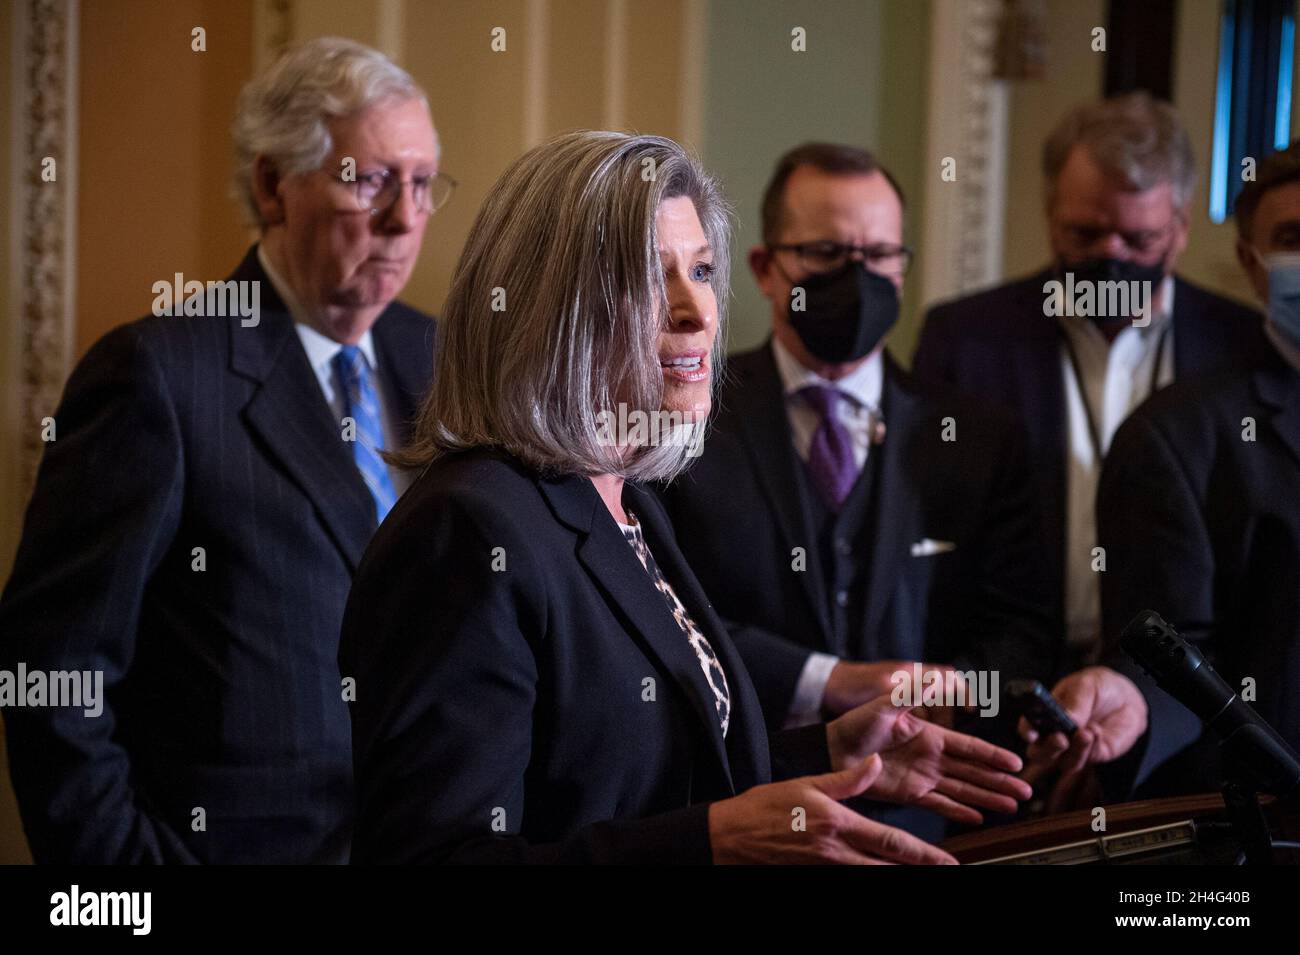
1183,672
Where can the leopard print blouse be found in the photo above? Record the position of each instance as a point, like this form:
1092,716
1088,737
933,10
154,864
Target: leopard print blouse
713,672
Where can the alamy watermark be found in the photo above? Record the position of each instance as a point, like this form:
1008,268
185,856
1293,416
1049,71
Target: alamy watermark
632,427
970,688
1098,299
77,908
228,299
73,688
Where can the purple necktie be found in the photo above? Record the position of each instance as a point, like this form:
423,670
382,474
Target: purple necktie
830,457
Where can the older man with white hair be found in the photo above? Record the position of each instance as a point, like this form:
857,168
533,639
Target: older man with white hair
195,527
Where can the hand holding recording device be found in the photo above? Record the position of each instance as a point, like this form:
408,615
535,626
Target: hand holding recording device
1030,699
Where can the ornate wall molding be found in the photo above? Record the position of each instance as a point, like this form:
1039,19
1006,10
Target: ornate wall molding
963,234
45,115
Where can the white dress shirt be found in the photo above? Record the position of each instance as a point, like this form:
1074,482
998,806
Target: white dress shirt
1116,378
320,355
863,386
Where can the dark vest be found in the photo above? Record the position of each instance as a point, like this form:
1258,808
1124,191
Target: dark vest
843,546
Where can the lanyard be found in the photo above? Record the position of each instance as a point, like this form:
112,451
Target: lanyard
1094,432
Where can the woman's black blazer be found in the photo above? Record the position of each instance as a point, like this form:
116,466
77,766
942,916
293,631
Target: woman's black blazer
519,690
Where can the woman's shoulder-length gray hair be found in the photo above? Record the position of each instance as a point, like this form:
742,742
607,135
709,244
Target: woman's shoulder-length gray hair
551,327
284,112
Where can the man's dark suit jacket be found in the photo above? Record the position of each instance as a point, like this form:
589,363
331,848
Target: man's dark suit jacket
524,693
998,346
222,684
738,518
1203,527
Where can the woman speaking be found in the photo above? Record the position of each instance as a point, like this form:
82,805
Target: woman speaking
538,676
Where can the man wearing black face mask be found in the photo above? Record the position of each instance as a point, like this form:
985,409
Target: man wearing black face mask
1197,509
1074,349
844,521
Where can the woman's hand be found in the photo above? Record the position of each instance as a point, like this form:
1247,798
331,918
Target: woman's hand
801,821
925,764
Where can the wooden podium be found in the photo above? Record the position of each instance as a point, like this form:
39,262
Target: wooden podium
1186,830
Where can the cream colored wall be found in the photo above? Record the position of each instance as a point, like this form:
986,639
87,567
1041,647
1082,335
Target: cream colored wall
360,20
477,98
556,73
1074,74
764,99
900,140
155,152
561,69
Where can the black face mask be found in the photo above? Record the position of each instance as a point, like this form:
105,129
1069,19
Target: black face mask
1114,270
846,312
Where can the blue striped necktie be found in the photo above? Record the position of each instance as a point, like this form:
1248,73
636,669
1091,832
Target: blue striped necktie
362,405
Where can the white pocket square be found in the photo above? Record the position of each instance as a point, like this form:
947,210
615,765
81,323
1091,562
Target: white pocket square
928,546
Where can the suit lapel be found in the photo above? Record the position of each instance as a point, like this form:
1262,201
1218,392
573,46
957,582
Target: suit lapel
1278,386
765,430
289,415
1055,436
895,500
741,748
1044,414
1195,334
611,562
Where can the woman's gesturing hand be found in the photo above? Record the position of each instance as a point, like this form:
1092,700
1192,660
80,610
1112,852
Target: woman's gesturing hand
801,821
925,764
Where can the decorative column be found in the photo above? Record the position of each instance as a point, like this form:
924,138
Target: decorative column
44,150
966,149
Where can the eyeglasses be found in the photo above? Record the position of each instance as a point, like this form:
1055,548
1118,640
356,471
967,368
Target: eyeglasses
377,192
828,256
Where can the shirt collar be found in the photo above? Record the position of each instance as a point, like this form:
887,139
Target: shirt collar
281,286
320,349
863,384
